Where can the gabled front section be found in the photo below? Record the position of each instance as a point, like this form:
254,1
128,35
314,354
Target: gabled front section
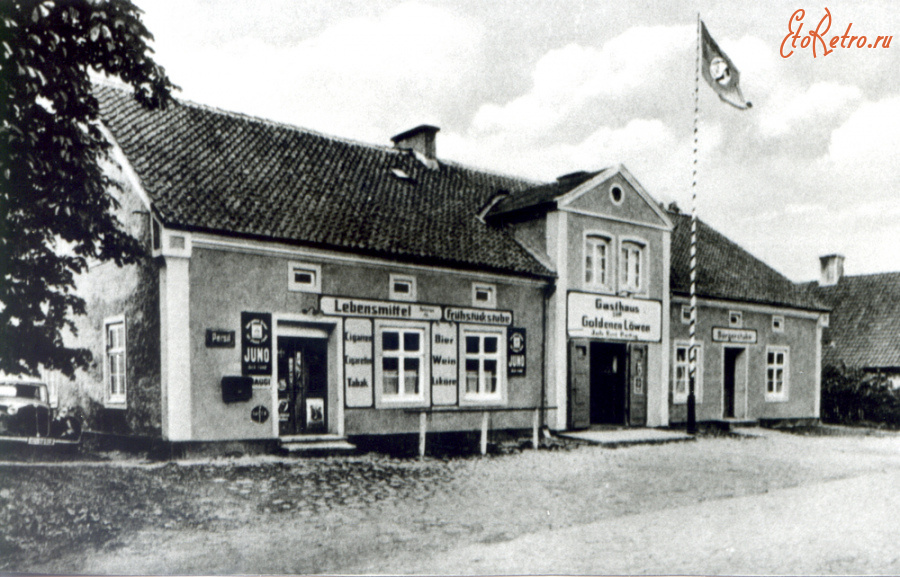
607,322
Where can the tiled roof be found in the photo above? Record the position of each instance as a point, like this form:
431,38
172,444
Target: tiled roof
727,271
541,195
208,170
864,324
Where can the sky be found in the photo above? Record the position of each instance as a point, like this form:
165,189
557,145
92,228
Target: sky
539,89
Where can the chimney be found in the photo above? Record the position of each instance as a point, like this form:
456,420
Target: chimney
419,139
832,269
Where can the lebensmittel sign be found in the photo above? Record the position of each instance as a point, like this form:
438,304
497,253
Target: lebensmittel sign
612,317
350,307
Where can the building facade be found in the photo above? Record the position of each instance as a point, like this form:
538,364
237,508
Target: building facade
300,285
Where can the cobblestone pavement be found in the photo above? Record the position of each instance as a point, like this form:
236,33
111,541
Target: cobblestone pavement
375,514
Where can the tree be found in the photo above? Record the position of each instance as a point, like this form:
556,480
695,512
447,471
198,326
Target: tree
56,212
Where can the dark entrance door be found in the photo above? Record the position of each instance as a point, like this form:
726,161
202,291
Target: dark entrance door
608,383
728,381
302,385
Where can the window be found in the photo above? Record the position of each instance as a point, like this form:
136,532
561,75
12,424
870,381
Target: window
826,319
402,364
681,373
596,261
483,365
403,288
303,277
155,234
615,194
778,323
484,295
631,267
114,367
777,364
685,314
736,319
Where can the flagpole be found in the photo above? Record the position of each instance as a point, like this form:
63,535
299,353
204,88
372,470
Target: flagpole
692,350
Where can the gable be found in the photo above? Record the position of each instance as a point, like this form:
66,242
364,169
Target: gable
615,194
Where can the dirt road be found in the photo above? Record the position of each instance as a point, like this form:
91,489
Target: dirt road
775,504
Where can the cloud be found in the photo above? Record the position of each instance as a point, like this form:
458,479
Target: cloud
821,101
368,76
869,141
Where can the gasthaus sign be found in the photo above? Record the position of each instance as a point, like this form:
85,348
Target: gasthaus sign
612,317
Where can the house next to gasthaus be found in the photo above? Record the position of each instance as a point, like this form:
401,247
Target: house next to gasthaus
301,285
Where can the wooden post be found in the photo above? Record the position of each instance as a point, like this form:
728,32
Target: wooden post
535,440
423,421
484,432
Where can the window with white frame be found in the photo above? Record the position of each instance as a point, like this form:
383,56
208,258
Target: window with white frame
403,288
682,373
736,319
402,364
115,361
484,295
483,364
777,367
631,266
596,261
304,277
778,323
685,314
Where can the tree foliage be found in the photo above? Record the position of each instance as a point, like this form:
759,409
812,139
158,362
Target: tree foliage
852,396
56,210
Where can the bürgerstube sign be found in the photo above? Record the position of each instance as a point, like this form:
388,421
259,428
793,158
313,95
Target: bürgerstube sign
612,317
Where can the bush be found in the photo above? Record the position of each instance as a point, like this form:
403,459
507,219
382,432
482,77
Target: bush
852,396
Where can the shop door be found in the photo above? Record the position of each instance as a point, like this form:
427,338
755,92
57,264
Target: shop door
637,385
302,385
579,384
608,384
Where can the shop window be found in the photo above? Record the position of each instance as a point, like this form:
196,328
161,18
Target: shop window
403,288
483,365
778,323
402,364
681,372
736,319
685,314
777,367
303,277
484,295
596,261
114,364
631,267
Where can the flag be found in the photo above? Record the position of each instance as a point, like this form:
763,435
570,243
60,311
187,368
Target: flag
720,72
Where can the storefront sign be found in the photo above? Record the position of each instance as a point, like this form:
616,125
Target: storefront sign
358,362
477,316
350,307
737,336
444,363
515,352
611,317
259,414
218,339
256,344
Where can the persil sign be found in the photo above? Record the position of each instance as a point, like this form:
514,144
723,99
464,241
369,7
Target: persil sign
611,317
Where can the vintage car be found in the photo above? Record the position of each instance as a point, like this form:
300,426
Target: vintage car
26,415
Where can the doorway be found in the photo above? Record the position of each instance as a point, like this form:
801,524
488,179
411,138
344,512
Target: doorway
734,382
608,390
302,385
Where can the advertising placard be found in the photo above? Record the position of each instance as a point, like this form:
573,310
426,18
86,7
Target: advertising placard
358,362
256,344
444,363
515,352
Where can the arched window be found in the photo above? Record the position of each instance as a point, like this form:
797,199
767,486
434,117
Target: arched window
631,266
596,261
